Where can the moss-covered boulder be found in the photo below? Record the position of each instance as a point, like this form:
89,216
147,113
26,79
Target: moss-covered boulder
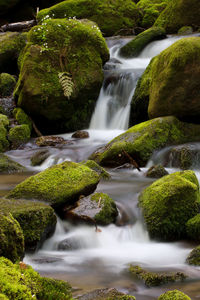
183,157
7,84
134,47
111,16
151,279
11,238
156,171
20,281
97,168
59,185
169,203
11,43
37,220
174,295
193,228
151,9
142,139
19,134
98,208
179,13
21,117
4,143
61,70
194,257
7,165
185,30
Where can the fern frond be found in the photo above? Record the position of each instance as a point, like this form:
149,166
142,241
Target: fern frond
66,82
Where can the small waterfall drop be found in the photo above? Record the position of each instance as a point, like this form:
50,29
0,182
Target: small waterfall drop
121,75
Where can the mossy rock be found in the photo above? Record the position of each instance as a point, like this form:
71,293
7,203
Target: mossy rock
111,17
98,208
169,203
20,281
151,279
106,294
61,70
141,140
194,257
151,9
185,30
4,123
193,228
7,165
179,13
156,171
11,238
11,43
59,185
97,168
174,295
36,219
39,157
3,297
134,47
22,117
19,134
183,157
7,84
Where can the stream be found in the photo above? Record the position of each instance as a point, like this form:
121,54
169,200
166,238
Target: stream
102,258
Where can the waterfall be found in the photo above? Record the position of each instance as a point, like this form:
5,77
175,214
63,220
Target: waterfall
121,75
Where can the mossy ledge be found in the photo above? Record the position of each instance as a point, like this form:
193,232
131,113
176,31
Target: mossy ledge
59,185
141,140
174,295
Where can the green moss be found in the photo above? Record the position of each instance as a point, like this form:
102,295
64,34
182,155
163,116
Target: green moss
194,257
185,30
58,185
22,117
7,84
193,228
151,279
11,43
179,13
21,282
156,171
71,47
174,295
169,203
142,139
110,16
37,220
4,120
7,165
11,238
4,144
134,47
151,9
19,134
97,168
108,212
3,297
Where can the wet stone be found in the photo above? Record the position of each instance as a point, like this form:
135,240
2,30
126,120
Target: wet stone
107,293
80,134
39,157
156,171
72,243
44,141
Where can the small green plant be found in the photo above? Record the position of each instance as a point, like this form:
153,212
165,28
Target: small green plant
66,82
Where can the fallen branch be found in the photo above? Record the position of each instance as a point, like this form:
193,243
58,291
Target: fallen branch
132,161
19,26
38,133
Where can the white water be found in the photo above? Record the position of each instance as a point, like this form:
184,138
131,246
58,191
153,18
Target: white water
113,105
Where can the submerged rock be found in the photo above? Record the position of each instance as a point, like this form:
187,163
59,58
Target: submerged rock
151,279
11,238
134,47
39,157
7,165
7,84
183,157
179,13
174,295
169,203
98,208
141,140
37,220
59,185
111,17
69,244
157,171
80,134
194,257
61,74
106,294
20,281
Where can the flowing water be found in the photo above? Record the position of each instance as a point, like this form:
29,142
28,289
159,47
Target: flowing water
102,258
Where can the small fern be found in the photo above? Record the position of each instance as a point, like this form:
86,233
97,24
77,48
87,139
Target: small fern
66,82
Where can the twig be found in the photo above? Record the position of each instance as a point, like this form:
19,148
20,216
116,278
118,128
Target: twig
132,161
